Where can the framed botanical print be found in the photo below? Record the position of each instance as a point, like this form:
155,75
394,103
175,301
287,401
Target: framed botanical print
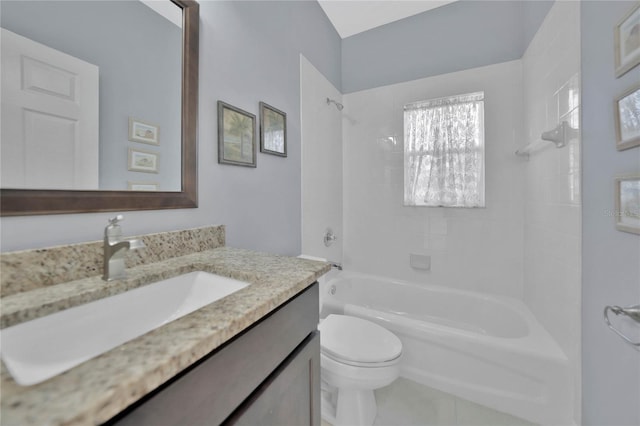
627,41
236,136
627,119
273,130
627,204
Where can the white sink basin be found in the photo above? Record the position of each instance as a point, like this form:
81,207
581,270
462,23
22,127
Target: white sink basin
37,350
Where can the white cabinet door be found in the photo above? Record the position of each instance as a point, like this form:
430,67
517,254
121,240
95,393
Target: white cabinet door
49,136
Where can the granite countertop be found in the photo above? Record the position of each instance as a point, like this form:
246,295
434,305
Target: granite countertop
100,388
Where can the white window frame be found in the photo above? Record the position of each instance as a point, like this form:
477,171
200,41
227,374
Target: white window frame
437,199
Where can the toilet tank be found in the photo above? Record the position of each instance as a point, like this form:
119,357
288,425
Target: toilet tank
322,281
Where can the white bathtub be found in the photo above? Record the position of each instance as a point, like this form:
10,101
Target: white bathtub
486,349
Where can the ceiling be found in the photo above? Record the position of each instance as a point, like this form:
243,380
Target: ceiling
351,17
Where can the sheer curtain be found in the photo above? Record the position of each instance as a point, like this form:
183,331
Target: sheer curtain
444,152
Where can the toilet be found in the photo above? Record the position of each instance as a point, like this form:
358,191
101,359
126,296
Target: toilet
357,357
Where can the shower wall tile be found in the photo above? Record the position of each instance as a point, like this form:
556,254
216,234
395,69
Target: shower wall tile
321,163
477,249
552,218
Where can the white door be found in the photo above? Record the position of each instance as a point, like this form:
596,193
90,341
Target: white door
49,136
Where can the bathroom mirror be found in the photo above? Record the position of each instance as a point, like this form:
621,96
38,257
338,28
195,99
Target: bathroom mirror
156,154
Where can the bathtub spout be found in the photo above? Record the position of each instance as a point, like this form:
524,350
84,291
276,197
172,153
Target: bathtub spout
336,265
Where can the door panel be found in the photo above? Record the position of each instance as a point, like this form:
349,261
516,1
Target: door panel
49,117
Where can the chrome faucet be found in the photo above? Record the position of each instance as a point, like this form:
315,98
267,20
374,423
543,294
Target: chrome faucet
115,248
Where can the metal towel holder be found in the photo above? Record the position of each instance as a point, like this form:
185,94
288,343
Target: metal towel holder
632,312
560,136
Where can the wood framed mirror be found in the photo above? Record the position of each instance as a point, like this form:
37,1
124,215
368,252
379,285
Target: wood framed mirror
19,202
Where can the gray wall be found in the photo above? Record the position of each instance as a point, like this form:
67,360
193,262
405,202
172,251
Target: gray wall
611,259
249,52
251,55
458,36
134,80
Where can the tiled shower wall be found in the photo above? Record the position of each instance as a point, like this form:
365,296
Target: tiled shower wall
477,249
526,243
321,163
552,218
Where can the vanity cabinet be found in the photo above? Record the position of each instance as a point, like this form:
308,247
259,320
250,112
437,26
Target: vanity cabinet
267,375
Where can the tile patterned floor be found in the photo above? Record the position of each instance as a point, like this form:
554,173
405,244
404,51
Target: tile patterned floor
406,403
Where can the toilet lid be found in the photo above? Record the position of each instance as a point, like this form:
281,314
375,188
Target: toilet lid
357,340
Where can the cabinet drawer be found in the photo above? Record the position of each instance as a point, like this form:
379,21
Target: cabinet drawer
210,391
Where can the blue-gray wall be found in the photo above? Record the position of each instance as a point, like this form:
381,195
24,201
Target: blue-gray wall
249,52
134,80
252,54
454,37
610,258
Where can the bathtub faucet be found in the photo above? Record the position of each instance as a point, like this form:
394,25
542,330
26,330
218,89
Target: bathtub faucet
336,265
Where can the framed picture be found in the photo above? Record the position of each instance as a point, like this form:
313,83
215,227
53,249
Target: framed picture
143,161
627,209
236,136
627,119
627,41
273,130
142,132
142,186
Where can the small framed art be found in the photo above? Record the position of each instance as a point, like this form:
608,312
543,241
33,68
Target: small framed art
273,130
236,136
627,41
140,131
627,204
142,186
627,119
143,161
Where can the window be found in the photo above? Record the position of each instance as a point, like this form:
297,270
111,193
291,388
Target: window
444,152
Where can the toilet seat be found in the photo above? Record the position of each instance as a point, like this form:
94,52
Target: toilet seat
362,364
358,342
357,356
